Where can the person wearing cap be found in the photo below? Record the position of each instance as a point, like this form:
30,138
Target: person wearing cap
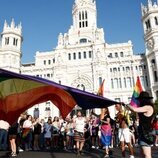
146,114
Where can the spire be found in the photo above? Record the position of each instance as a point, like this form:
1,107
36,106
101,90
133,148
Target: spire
149,3
12,23
20,26
5,24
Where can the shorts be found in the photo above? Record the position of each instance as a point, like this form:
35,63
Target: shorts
143,143
124,134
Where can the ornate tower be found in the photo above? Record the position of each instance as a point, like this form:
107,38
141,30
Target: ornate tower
10,50
150,25
84,26
84,14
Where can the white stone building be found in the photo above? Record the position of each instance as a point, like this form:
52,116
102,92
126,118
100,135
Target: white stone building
82,58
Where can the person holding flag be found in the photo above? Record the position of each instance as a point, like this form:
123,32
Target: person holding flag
146,114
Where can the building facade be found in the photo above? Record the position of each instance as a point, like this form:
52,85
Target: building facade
83,59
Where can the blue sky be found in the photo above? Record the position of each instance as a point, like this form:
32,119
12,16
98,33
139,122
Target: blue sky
43,20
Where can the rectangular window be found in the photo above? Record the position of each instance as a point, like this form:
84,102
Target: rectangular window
120,83
155,76
69,56
79,55
125,85
86,23
90,54
74,55
84,55
53,60
44,62
80,25
116,54
15,41
146,80
7,41
112,84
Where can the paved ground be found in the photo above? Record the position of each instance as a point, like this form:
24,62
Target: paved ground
93,153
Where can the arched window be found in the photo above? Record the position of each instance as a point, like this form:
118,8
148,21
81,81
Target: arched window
115,83
127,68
112,83
86,15
7,41
116,54
79,55
84,55
83,40
148,26
74,56
129,83
120,83
81,87
69,56
121,54
125,85
83,19
82,15
90,54
79,15
114,70
156,21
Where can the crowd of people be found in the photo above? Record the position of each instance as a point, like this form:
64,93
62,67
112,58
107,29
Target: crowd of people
74,133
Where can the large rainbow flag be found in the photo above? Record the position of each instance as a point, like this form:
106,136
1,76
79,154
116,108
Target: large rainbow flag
20,92
137,89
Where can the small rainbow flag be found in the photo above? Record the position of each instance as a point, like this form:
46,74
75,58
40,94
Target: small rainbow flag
25,132
137,89
101,89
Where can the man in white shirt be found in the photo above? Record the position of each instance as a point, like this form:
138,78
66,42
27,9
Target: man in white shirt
4,126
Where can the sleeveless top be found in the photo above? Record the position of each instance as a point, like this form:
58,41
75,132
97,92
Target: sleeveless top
80,124
145,122
104,126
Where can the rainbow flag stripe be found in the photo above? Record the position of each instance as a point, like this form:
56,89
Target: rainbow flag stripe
137,90
20,92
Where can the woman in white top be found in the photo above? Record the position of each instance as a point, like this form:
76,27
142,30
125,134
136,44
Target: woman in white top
27,132
79,125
